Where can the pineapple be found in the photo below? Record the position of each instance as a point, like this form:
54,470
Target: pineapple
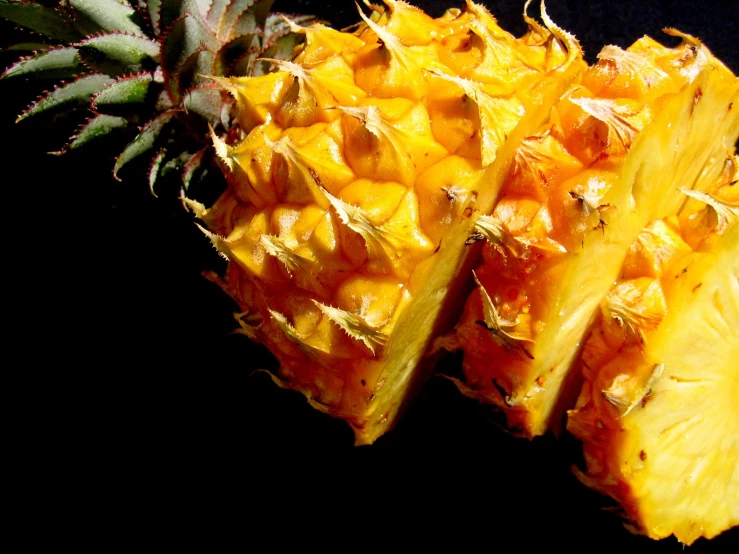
364,163
657,411
611,157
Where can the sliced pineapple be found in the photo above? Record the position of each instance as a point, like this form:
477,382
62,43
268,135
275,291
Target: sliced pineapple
358,182
658,409
612,157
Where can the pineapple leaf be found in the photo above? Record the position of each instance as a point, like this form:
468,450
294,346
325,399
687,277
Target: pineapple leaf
77,92
194,69
246,17
129,90
128,50
44,20
215,14
99,126
28,47
154,170
155,8
206,101
58,63
184,40
194,168
110,15
144,141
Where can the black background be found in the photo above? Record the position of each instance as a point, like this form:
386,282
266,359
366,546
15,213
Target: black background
133,394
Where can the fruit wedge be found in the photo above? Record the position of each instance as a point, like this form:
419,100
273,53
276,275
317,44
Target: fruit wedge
658,410
616,149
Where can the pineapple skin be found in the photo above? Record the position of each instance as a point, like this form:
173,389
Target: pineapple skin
364,165
594,173
657,411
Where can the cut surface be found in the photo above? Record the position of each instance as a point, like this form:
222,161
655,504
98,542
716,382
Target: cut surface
658,409
612,157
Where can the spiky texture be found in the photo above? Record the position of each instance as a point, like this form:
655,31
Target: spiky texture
146,70
366,162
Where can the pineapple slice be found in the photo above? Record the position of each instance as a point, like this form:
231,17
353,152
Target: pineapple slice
610,159
358,183
658,409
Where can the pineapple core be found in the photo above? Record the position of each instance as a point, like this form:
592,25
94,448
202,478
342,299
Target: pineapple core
359,160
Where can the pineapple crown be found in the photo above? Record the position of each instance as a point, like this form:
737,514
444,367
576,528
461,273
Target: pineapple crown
145,66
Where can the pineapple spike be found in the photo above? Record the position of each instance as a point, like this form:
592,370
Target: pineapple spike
223,150
219,243
492,112
530,21
196,207
573,46
495,233
355,326
617,118
357,220
633,63
276,247
292,334
399,51
246,327
726,213
500,329
623,400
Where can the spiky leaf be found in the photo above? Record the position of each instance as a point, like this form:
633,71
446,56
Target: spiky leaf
41,19
131,90
194,168
154,169
78,92
185,39
145,140
205,101
99,126
128,50
61,62
109,15
250,15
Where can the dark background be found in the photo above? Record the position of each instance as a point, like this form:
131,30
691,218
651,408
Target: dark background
134,393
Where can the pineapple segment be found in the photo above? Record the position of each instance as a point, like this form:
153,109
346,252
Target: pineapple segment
364,164
658,408
611,158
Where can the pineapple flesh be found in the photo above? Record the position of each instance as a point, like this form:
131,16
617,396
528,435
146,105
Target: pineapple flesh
617,146
364,163
658,408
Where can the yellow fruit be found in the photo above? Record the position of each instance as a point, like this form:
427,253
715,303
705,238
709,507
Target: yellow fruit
364,164
611,158
658,408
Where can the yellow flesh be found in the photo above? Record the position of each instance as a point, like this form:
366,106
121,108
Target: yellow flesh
611,158
658,410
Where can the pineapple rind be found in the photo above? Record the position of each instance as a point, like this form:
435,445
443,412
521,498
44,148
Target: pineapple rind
328,150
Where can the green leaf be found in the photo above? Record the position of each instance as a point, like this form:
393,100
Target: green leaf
41,19
215,14
194,69
126,49
155,8
77,92
59,63
154,169
194,168
230,54
145,140
110,15
99,126
185,39
128,90
247,16
28,47
206,101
